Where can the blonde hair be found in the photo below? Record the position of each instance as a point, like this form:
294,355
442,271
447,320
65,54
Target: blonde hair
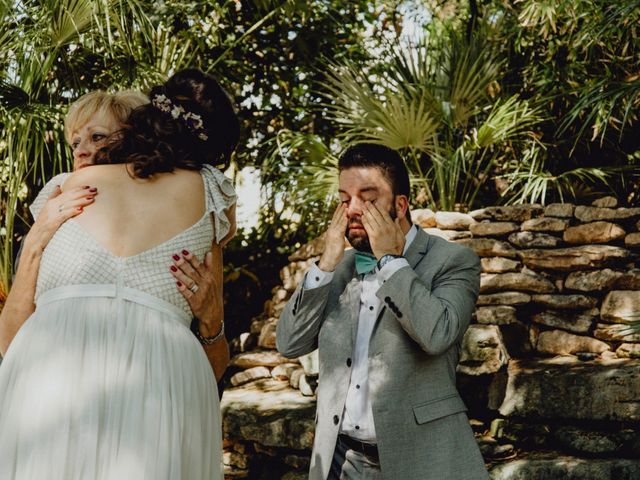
119,105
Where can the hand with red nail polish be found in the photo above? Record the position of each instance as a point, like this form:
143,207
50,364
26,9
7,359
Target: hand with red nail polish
206,300
59,207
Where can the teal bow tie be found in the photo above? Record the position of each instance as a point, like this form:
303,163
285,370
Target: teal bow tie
365,263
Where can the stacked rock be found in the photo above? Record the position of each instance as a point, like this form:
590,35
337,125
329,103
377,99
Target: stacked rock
550,368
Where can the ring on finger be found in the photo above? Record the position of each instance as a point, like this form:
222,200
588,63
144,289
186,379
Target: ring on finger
194,288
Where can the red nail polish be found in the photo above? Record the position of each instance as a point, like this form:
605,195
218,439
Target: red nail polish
173,269
176,257
179,284
89,198
185,252
93,189
86,186
80,209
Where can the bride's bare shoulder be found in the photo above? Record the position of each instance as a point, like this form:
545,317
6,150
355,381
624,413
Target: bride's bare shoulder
102,174
94,174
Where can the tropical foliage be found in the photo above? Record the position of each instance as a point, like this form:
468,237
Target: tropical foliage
434,102
579,61
532,101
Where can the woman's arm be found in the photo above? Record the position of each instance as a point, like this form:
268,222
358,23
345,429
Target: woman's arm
20,301
206,301
19,304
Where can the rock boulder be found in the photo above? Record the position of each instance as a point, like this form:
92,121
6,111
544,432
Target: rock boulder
594,232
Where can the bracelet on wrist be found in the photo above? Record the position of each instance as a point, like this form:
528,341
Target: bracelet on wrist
212,339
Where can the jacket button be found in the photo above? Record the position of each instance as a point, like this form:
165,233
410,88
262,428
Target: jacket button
387,299
335,419
348,362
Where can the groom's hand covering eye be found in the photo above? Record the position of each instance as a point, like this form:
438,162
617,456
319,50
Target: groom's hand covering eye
334,240
385,234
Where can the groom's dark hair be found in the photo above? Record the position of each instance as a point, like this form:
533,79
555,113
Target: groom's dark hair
388,161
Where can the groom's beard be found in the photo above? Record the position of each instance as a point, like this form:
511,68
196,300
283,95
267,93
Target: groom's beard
358,238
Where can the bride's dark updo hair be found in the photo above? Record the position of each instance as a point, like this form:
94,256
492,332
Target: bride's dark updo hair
189,122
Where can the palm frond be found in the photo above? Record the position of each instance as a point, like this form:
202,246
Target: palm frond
600,104
472,67
530,182
400,122
396,119
69,18
508,119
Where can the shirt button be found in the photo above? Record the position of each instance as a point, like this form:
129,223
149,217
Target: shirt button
371,307
335,419
357,386
317,279
348,362
357,427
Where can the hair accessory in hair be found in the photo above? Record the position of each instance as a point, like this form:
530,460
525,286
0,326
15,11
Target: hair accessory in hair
191,120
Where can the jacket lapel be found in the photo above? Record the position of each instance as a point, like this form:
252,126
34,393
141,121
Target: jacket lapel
415,253
418,248
352,292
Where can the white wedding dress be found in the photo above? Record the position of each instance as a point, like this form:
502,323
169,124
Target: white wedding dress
105,380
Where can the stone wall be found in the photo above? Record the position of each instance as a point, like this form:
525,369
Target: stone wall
549,370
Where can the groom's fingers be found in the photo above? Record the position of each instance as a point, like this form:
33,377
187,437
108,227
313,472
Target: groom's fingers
370,214
339,217
380,216
369,226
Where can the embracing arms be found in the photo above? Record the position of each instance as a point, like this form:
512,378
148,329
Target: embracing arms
20,303
206,303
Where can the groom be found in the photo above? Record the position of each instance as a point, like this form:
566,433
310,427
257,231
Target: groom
387,318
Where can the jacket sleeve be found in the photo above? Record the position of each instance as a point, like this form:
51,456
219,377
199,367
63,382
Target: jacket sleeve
300,321
435,315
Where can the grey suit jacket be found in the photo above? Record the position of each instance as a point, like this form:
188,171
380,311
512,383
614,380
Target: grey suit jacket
422,430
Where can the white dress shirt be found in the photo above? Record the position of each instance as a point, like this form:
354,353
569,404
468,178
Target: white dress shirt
357,418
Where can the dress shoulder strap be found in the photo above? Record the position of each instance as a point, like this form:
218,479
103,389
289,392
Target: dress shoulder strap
220,196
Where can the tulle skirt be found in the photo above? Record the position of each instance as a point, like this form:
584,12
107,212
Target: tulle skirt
109,387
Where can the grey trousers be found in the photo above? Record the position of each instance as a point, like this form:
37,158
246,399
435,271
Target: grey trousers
348,464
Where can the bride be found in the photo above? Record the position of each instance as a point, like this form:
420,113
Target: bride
105,379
